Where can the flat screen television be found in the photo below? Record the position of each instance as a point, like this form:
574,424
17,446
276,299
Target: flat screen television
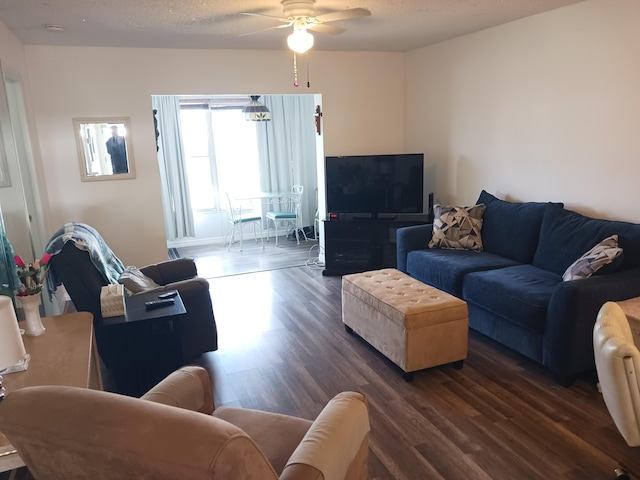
375,184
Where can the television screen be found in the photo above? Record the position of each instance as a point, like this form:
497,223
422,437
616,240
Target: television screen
375,184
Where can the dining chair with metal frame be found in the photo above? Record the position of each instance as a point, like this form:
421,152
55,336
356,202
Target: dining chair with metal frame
288,211
239,218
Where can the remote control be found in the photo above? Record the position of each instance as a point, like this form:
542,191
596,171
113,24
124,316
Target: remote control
159,303
170,294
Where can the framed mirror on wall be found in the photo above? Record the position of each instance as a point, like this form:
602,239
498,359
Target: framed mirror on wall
104,148
16,216
5,180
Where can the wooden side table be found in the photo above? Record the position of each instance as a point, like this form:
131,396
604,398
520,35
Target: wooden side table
631,309
65,354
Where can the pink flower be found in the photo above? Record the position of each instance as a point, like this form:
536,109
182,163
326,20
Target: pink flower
32,276
19,261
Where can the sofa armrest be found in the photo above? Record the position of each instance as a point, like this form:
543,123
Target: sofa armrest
188,387
336,445
415,237
171,271
573,308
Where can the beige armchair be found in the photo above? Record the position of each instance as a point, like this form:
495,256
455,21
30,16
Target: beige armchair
174,432
618,367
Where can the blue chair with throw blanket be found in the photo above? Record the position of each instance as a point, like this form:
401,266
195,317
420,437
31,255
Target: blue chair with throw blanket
83,262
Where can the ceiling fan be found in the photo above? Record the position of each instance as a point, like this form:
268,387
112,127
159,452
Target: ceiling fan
299,14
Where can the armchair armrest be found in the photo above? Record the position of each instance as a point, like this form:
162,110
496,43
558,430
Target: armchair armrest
171,271
188,387
573,308
411,238
189,289
336,445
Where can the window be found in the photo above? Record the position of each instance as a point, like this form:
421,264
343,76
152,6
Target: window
221,152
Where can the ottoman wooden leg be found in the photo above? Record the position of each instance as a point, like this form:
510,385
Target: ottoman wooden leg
408,376
348,328
458,365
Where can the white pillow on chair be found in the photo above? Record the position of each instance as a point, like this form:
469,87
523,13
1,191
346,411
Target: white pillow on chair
136,281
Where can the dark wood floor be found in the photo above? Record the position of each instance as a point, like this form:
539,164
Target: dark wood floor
283,349
217,260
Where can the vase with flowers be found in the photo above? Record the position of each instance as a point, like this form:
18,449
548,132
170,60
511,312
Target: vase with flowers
32,277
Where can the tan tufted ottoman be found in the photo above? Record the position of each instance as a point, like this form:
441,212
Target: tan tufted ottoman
414,325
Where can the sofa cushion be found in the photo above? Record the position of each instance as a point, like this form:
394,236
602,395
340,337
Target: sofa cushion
512,229
519,294
457,228
445,269
565,235
603,253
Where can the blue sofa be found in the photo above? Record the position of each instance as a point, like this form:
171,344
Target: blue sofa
514,287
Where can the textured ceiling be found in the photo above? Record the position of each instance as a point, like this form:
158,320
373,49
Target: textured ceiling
399,25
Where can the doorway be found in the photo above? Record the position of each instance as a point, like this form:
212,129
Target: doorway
213,168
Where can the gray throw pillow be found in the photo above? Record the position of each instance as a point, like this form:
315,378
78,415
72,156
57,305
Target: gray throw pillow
600,255
136,281
457,228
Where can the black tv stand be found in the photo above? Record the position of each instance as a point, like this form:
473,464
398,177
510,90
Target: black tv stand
357,243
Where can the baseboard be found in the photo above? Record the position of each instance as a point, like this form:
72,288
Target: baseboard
194,242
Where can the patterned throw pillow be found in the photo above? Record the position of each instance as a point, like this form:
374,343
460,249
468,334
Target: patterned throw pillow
602,254
457,228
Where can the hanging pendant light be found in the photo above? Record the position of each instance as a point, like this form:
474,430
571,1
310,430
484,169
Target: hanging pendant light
255,111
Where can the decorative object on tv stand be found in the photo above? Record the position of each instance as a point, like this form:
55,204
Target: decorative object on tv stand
32,279
13,357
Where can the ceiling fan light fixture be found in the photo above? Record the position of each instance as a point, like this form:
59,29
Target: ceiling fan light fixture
300,40
256,111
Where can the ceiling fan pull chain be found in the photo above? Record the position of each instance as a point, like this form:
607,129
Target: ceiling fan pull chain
295,70
308,82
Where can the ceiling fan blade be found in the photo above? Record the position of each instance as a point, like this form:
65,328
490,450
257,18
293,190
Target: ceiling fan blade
265,29
324,28
281,19
343,15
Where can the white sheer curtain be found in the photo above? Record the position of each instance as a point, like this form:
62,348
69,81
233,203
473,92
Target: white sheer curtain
178,216
287,149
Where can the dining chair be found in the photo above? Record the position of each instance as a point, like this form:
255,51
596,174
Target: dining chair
239,218
618,367
288,211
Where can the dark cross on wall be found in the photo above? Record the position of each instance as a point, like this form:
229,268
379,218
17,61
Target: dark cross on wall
318,116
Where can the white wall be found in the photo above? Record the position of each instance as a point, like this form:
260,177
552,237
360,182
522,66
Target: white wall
544,108
363,112
11,50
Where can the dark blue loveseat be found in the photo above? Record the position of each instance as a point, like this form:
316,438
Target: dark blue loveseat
514,287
